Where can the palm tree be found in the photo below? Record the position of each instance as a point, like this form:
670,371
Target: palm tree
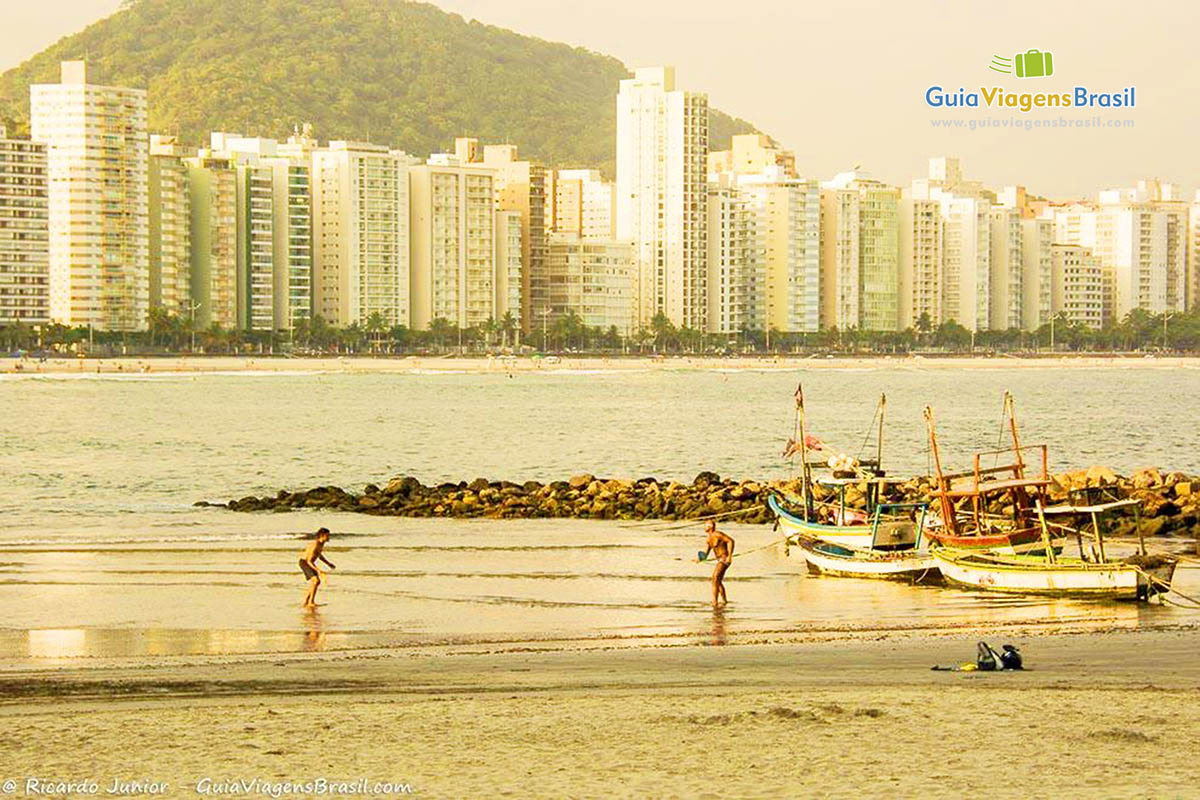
662,329
439,329
508,325
376,327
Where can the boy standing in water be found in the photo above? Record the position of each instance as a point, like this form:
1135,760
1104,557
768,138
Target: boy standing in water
308,565
721,546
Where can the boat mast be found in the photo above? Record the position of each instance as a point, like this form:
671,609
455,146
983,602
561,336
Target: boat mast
948,516
802,437
879,440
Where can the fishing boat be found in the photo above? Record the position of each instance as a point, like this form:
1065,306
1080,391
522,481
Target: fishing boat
911,563
838,521
965,521
965,499
860,531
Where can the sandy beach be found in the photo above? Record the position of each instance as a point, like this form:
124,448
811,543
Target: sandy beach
1096,715
562,364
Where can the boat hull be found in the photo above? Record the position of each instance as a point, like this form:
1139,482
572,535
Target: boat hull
891,534
828,558
1027,541
1034,576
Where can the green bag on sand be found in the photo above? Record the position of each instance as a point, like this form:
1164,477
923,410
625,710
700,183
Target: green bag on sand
1034,64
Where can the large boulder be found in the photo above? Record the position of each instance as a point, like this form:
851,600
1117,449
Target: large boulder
1100,476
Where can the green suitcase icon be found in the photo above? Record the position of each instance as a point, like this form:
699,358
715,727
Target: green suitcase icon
1034,64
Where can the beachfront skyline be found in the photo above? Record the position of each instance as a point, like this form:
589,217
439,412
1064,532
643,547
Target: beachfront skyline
887,57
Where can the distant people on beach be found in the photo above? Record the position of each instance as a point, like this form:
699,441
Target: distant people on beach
721,546
308,565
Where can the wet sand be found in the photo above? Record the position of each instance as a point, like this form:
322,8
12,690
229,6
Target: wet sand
1097,715
563,364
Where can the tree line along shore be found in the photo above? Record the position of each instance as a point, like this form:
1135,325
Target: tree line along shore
1170,500
166,334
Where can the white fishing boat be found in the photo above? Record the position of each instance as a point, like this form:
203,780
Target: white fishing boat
1092,574
842,508
910,562
898,532
1135,579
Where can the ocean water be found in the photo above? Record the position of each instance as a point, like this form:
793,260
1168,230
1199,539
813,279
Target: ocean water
103,555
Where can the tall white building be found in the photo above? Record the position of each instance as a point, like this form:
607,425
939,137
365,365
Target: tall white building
1160,196
509,266
920,291
1193,249
662,195
361,234
213,236
591,278
736,260
1078,285
584,204
453,243
24,232
274,219
1130,239
1007,257
860,253
1037,239
97,164
170,227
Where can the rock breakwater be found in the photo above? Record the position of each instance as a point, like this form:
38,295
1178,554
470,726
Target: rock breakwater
1170,500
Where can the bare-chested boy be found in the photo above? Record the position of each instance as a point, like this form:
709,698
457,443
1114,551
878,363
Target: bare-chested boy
308,565
721,546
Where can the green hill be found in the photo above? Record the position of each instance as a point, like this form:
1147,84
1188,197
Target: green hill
404,74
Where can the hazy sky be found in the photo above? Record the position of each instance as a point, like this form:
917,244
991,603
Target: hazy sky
843,83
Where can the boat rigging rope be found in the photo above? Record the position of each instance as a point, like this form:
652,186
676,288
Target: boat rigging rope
1169,589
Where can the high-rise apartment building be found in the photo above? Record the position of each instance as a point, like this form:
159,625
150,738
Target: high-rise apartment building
213,234
591,278
584,204
170,227
1161,196
1078,285
1007,259
662,195
860,253
1037,237
453,242
920,290
509,266
1130,239
361,234
752,154
521,186
98,172
966,260
274,230
736,260
1193,249
24,232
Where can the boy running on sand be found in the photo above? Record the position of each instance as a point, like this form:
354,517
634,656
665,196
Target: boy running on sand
308,565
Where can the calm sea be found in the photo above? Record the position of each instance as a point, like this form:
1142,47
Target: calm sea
102,554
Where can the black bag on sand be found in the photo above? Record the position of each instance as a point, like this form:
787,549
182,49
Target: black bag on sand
1010,658
986,658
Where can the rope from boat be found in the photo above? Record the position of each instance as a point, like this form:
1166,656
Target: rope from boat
744,552
665,525
1168,587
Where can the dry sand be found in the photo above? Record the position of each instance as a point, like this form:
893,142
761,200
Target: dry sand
1100,715
564,364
